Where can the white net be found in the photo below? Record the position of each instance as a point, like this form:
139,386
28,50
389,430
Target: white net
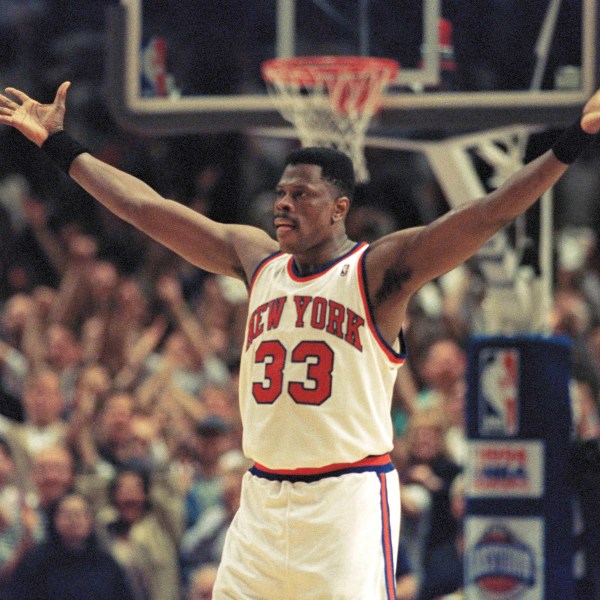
330,100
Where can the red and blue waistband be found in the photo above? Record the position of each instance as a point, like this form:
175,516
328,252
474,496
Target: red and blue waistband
376,464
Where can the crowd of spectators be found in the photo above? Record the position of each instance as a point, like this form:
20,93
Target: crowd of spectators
120,451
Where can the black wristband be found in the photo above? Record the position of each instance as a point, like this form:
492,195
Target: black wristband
571,143
62,149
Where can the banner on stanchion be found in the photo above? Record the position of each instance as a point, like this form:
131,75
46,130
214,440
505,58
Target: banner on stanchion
518,518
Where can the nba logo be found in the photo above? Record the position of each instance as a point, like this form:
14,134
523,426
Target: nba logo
498,392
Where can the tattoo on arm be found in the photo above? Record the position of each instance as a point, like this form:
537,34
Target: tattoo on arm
393,279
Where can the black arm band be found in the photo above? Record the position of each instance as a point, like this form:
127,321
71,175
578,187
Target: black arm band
62,149
571,143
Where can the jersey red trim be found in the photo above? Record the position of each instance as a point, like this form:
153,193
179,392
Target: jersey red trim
261,266
370,461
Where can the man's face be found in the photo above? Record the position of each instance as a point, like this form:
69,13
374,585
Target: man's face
426,442
304,208
43,399
52,474
115,418
73,521
130,497
444,366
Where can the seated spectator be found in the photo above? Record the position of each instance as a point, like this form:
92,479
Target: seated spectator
13,363
147,447
203,542
442,365
16,518
211,441
437,370
53,476
70,564
112,433
139,537
63,354
43,404
429,466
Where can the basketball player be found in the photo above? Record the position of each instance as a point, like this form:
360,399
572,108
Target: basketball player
319,514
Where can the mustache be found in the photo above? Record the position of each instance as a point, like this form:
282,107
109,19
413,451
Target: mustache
285,216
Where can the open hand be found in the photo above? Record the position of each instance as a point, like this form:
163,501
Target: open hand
34,120
590,121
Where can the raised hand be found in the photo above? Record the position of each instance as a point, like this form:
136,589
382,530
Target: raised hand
34,120
590,121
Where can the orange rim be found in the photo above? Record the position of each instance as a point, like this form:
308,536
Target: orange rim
304,70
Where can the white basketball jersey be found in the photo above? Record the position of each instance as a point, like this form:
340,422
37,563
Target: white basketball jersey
316,378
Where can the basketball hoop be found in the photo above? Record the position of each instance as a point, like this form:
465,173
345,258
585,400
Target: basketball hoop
330,99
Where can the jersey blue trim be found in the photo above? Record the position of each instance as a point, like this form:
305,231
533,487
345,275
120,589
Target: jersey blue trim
403,350
326,266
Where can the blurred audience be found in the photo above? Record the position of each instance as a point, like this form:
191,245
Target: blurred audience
139,537
70,564
16,519
202,543
429,468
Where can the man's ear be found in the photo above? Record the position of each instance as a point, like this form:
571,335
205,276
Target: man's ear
341,206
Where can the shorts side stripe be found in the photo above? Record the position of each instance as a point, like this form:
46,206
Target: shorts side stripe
386,541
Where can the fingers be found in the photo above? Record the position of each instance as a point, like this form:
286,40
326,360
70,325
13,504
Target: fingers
7,103
61,93
60,98
590,122
22,96
593,103
7,108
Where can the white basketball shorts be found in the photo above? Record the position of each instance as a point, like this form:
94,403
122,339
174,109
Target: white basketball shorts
322,536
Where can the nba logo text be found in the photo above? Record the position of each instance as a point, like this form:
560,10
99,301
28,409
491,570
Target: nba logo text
499,392
512,469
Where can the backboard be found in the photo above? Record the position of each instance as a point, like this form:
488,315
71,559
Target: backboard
194,66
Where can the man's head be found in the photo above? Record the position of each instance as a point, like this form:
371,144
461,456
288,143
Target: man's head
425,434
62,347
114,420
129,493
443,365
312,201
42,398
336,167
52,473
73,520
212,439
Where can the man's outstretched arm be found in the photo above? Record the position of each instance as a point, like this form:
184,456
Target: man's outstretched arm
400,263
226,249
